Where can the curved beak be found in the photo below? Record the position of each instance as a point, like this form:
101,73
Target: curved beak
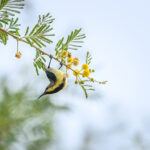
41,95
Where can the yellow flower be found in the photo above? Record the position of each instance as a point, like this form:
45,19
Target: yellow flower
69,59
85,67
86,73
76,73
75,61
64,54
69,66
18,55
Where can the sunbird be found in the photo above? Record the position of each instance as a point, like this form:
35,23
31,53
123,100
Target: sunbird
57,78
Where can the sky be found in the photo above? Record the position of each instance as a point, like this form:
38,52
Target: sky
118,36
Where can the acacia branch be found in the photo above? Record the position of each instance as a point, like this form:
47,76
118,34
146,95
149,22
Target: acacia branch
44,53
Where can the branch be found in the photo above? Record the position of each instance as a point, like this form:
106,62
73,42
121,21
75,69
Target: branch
85,86
44,53
22,40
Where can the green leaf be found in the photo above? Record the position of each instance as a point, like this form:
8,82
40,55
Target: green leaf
38,64
3,3
74,36
29,42
17,32
88,58
40,42
88,85
36,42
36,69
91,89
44,39
43,59
85,92
11,7
72,42
3,37
4,21
60,42
13,26
27,30
40,32
35,27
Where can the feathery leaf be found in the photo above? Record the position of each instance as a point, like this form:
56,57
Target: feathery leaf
40,32
11,7
38,64
72,42
88,58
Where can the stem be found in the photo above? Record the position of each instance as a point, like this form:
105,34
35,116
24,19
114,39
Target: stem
17,46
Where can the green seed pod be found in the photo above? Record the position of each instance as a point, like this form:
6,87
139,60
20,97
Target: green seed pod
92,79
81,82
76,82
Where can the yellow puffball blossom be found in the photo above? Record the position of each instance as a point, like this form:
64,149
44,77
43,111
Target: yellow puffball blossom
86,73
69,60
63,54
85,67
76,73
18,55
75,61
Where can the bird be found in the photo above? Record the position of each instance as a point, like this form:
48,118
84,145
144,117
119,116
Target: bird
57,78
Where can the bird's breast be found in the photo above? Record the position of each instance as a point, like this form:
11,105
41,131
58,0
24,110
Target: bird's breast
59,85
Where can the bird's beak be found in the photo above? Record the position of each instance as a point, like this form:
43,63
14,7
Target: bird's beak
41,95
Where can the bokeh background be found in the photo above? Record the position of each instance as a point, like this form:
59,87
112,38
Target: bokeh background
116,116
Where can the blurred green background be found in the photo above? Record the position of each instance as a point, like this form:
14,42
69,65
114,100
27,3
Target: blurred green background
24,122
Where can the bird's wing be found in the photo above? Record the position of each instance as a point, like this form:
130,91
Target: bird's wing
51,76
